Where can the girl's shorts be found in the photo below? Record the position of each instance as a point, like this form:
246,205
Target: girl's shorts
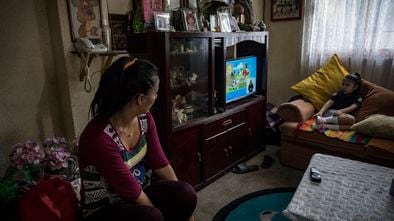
329,113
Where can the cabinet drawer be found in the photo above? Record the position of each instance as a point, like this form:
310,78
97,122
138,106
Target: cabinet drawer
221,125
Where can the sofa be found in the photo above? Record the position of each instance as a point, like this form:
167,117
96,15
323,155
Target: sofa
298,147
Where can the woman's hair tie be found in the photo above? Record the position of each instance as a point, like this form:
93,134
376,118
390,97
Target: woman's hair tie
128,64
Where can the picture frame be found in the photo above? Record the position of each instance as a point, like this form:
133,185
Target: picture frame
213,23
85,20
118,24
282,10
150,6
234,24
224,21
162,21
190,20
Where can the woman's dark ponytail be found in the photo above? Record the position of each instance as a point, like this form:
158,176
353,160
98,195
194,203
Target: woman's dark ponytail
120,83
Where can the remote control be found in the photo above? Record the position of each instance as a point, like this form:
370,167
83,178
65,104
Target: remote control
315,175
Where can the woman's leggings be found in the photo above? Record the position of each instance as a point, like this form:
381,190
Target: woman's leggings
173,201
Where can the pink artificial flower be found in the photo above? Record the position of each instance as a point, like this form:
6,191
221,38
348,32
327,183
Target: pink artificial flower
57,151
26,154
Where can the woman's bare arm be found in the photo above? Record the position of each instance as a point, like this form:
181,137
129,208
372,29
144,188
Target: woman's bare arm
144,200
166,173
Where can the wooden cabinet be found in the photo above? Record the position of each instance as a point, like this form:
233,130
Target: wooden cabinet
222,143
255,118
202,135
184,154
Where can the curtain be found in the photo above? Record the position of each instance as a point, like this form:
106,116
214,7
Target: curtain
361,32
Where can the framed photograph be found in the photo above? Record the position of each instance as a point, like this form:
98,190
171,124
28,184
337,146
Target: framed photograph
190,20
282,10
224,22
85,19
118,24
162,21
213,23
234,24
150,6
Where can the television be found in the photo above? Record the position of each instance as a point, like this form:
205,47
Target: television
240,78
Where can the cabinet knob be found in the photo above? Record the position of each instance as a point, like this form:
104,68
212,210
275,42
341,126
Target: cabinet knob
230,148
250,131
227,122
199,157
227,154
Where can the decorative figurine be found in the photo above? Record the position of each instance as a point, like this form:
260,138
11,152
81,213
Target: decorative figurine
180,115
193,78
179,101
243,10
204,24
188,109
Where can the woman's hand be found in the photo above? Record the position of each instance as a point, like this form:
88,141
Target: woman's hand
192,218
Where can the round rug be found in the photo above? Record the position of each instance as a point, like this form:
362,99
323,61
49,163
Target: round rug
262,205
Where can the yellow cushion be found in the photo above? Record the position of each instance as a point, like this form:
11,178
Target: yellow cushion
320,86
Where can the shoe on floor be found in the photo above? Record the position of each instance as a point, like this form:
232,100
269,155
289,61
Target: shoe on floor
243,168
267,162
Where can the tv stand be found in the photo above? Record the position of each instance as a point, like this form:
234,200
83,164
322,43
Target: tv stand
203,136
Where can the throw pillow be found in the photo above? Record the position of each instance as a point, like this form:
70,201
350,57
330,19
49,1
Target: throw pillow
376,125
376,100
320,86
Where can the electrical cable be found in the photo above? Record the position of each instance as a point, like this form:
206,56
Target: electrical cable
85,71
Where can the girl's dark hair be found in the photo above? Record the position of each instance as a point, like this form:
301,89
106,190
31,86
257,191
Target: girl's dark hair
118,85
355,77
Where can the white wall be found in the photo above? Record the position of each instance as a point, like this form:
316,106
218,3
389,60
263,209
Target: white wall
30,107
119,6
284,55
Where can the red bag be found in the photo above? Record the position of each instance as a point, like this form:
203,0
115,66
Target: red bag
49,200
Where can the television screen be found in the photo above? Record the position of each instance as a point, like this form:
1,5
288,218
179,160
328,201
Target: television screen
240,78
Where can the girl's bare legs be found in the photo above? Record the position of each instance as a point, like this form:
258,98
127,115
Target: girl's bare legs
346,119
342,122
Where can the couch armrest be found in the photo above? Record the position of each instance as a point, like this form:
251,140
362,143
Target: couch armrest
296,111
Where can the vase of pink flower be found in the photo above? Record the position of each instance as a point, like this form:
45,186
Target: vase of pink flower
57,151
31,161
28,158
53,157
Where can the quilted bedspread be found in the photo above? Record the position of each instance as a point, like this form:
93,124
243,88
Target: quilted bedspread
348,136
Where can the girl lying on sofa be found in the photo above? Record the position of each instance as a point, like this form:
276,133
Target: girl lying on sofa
336,112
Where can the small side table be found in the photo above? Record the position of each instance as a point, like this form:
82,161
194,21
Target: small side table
349,190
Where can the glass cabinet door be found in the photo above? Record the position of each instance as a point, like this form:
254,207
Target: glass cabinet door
188,77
